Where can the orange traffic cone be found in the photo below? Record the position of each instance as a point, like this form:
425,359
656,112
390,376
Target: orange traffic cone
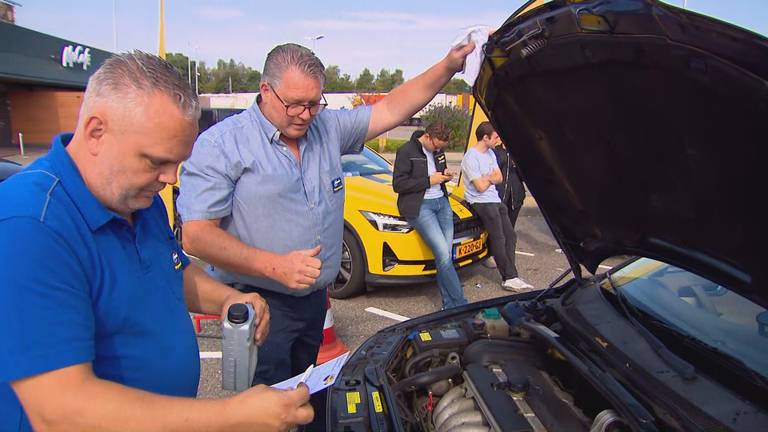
332,347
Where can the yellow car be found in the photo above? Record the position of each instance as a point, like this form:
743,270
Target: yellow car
379,247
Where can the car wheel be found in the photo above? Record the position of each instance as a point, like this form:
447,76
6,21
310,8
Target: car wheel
351,278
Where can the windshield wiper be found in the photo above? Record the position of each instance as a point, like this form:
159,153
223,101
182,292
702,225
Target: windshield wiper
682,367
737,365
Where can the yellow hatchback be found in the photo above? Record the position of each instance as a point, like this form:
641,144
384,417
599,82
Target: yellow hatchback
380,247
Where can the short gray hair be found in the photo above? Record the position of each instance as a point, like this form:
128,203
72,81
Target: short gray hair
292,56
127,77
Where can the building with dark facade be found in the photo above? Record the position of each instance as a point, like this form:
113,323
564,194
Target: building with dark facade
42,79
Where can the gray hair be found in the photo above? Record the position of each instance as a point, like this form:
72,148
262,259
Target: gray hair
292,56
125,79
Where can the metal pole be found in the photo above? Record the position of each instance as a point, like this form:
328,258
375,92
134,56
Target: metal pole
685,4
114,22
197,78
230,84
21,144
189,70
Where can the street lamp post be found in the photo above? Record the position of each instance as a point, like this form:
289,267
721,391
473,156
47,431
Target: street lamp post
114,23
314,39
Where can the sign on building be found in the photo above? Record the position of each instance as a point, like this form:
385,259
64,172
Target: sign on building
71,55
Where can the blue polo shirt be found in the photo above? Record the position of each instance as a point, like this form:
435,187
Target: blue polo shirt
241,172
79,284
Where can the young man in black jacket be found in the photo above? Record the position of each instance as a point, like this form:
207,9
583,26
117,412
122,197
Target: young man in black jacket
419,180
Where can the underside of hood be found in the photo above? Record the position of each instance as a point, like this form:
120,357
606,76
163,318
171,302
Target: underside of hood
640,129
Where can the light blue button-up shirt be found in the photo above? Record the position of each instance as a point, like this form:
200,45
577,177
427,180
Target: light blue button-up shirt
242,173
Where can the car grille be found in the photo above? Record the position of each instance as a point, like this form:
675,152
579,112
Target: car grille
471,227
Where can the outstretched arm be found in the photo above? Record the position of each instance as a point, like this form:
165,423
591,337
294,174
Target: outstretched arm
407,99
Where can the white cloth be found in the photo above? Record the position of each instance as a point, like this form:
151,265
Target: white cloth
479,35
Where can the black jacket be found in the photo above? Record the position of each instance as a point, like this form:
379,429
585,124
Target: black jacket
511,190
411,178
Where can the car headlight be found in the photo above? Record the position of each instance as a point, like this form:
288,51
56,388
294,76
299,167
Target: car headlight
387,223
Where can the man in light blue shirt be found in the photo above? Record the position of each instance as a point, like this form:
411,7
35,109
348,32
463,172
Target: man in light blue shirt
262,196
482,173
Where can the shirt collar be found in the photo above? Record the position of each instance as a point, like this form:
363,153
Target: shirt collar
269,129
93,211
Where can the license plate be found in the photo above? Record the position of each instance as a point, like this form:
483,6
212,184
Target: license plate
465,249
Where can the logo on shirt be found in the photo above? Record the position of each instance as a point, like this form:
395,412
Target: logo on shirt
176,260
337,184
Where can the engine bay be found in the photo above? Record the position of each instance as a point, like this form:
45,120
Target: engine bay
471,373
478,374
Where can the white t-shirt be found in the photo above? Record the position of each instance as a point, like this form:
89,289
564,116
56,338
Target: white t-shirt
475,165
434,191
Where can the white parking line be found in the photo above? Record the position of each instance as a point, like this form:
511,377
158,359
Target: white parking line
524,253
385,314
210,354
604,267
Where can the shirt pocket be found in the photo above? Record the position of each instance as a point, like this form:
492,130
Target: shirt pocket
333,187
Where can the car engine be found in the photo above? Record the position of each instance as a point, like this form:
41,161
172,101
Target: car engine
479,374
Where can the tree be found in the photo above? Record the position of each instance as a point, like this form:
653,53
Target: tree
252,80
383,80
396,78
181,63
335,81
456,118
455,86
364,81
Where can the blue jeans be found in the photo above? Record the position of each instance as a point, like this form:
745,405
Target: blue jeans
435,225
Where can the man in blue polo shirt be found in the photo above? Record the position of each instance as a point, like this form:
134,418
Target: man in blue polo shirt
95,291
262,196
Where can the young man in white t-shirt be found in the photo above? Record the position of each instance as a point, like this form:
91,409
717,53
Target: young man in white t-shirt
482,173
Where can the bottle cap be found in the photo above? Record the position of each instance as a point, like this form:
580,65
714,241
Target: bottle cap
238,313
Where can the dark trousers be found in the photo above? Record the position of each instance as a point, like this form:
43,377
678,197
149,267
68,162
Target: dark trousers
501,236
514,212
294,339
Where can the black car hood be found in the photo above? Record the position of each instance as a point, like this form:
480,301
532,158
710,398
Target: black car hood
640,129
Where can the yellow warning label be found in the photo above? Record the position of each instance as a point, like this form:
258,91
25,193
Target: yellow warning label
377,402
425,336
353,398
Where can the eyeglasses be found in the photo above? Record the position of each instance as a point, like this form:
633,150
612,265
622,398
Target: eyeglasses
294,110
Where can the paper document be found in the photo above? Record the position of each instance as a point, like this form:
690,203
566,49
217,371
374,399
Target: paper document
316,377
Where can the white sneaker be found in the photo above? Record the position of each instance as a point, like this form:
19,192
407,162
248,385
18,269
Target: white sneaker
516,284
490,263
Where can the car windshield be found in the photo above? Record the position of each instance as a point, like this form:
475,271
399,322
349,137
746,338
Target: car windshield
365,163
698,308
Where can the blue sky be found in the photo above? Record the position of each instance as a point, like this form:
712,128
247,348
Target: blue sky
406,34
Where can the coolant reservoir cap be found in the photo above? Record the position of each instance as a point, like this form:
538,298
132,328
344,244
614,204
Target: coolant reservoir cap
237,313
491,313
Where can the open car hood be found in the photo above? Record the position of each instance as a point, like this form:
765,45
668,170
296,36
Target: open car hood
640,129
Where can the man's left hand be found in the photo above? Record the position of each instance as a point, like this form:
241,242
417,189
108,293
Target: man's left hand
260,308
457,55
